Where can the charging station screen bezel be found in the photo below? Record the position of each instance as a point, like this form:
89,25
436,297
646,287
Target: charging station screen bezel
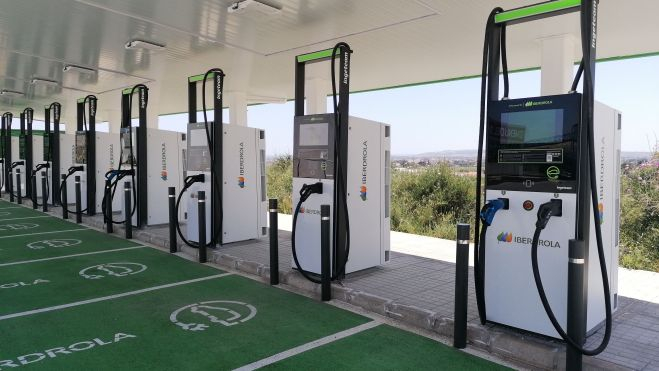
46,147
538,166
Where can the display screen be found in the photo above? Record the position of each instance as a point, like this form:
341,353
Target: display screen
21,146
198,138
531,127
81,148
46,147
314,134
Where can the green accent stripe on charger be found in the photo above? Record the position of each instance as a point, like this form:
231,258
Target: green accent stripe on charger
199,77
322,54
535,10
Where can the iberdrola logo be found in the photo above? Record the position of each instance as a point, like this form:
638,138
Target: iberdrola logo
505,237
241,181
362,192
600,208
163,175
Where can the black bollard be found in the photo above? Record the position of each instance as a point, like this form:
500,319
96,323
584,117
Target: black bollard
19,194
201,210
44,191
274,242
65,198
33,195
108,206
461,287
127,209
10,186
78,200
576,308
325,265
171,196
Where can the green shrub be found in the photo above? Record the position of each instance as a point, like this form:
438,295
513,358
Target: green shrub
431,201
639,224
280,181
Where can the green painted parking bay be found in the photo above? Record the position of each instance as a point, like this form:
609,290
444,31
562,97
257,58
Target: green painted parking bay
62,244
219,324
16,212
36,285
48,225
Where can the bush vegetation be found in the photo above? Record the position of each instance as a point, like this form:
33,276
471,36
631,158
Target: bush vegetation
430,201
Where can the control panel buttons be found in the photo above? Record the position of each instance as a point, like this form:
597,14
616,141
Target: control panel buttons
528,205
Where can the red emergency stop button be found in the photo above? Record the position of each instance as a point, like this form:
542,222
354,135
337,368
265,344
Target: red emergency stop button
528,205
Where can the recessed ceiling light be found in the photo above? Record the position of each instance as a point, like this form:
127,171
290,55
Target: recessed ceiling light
11,93
143,44
40,81
263,7
79,69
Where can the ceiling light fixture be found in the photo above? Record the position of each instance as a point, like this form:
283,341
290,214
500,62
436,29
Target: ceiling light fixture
46,82
143,44
79,69
263,7
11,93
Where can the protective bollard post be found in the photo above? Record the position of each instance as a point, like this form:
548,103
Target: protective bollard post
201,209
78,200
108,207
127,209
461,287
172,219
274,242
65,199
576,324
33,196
325,267
19,196
10,187
44,192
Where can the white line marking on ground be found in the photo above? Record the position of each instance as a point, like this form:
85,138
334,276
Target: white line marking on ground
37,233
26,217
110,297
308,346
70,256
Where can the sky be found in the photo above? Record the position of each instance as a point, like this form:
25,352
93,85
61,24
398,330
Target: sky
445,116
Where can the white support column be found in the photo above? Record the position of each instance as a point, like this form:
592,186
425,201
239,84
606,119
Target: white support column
237,101
70,118
114,120
316,90
558,57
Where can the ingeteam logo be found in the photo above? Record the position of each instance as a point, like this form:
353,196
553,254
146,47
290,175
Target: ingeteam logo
363,190
505,237
241,157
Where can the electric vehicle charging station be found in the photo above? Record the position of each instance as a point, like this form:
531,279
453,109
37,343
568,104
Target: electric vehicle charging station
228,163
344,162
552,192
22,151
150,157
83,155
5,149
51,150
42,158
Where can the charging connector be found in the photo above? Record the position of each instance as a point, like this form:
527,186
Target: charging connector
548,210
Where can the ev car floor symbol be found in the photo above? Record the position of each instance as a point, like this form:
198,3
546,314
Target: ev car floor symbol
17,226
63,242
200,316
112,270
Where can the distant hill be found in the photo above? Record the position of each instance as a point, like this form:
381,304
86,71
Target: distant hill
471,155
